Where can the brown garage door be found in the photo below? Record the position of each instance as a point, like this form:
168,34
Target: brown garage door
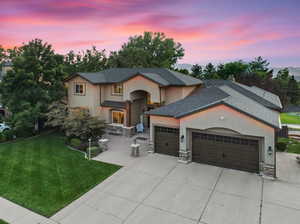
226,151
167,141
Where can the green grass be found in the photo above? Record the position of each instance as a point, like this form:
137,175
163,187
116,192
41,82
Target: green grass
293,146
289,119
43,175
2,222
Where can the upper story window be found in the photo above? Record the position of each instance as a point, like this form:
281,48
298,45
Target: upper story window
117,89
79,88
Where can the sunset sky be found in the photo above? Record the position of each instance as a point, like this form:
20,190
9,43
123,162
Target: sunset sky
209,30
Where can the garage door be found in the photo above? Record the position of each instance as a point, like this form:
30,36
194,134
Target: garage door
226,151
167,140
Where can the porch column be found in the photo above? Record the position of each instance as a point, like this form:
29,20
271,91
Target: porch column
128,113
184,151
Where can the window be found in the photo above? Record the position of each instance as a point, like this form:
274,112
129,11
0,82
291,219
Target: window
79,88
118,117
117,89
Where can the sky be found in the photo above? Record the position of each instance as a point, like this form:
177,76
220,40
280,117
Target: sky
210,30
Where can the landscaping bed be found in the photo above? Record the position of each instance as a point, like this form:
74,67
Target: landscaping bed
43,175
3,222
288,145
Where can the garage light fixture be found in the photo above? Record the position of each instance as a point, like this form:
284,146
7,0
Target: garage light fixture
181,138
222,118
270,151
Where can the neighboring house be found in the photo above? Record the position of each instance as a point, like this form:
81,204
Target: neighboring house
215,122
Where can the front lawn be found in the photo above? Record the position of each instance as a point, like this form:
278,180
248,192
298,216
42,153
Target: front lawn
43,175
2,222
289,118
293,146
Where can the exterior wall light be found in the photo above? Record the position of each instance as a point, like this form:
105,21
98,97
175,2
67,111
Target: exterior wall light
181,138
270,151
222,118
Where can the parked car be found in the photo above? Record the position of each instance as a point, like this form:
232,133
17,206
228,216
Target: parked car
4,127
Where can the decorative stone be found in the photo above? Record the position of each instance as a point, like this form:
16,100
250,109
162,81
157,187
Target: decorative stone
151,147
184,156
268,170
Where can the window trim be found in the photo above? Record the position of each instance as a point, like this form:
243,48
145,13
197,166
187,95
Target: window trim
113,89
84,88
112,117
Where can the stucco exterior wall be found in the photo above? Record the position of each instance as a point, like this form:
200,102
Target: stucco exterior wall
141,83
175,93
91,98
107,93
225,117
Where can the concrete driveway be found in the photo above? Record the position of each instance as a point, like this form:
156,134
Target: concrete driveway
157,189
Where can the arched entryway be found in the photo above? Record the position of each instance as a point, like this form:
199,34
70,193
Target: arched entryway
140,103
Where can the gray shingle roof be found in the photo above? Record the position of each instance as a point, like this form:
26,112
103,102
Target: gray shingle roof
268,99
116,104
202,98
220,94
164,77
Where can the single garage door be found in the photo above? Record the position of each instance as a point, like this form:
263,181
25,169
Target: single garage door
226,151
166,140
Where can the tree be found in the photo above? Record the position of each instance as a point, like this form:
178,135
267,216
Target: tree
259,65
79,123
35,81
2,55
57,114
234,69
293,90
91,60
196,71
182,70
147,50
209,72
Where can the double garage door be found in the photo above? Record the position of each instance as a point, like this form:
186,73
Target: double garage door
225,151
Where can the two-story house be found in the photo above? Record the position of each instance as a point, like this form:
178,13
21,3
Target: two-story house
216,122
121,96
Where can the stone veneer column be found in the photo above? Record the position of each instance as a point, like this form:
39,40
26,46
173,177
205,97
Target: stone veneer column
184,152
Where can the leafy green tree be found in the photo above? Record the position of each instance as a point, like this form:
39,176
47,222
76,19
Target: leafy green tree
57,114
35,81
183,71
147,50
234,69
90,60
79,123
196,71
259,65
2,55
210,72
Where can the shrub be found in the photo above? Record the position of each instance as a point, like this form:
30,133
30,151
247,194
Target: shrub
281,146
76,142
9,134
2,137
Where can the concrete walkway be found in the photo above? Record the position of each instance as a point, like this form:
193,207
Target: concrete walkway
156,188
15,214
